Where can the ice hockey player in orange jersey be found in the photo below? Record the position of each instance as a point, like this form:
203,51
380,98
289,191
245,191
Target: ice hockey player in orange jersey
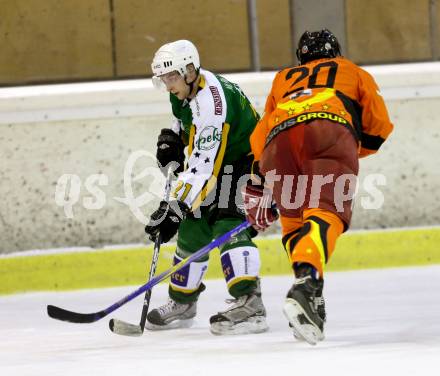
320,118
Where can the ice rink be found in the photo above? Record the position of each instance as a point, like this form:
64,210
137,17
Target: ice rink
380,322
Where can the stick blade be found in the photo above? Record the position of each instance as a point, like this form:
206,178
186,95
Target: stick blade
124,328
62,314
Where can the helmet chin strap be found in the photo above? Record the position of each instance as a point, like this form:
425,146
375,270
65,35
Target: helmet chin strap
191,84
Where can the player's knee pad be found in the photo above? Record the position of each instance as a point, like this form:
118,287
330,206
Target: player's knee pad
240,263
188,279
182,254
242,239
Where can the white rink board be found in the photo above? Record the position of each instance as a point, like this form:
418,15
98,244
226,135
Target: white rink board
95,128
380,322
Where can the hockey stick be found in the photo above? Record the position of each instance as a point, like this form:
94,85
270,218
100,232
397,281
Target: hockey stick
82,318
125,328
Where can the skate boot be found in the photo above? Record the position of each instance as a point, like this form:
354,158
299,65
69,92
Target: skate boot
320,307
246,315
172,315
304,308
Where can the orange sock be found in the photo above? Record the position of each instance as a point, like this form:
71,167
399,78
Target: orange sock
291,228
315,241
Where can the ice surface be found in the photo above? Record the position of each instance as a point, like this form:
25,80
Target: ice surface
380,322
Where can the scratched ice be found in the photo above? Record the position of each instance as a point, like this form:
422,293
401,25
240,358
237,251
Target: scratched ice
379,322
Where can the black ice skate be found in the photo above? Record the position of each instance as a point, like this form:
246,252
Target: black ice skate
246,315
171,315
305,307
320,307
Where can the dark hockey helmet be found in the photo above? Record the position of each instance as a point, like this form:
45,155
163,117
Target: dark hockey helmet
317,45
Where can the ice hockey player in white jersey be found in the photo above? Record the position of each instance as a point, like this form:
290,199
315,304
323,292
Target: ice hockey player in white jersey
213,119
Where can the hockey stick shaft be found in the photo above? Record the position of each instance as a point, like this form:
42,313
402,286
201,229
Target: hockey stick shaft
155,258
147,296
122,327
75,317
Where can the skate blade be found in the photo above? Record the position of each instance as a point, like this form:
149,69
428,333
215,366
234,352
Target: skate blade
177,324
297,335
310,333
254,325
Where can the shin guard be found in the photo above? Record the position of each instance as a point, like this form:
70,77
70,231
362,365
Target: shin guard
316,240
239,265
186,284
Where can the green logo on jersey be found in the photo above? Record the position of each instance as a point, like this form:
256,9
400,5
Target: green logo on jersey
208,138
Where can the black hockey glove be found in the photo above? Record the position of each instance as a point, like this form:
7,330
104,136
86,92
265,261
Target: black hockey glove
170,148
166,220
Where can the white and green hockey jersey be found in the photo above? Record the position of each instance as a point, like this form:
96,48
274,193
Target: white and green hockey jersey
217,123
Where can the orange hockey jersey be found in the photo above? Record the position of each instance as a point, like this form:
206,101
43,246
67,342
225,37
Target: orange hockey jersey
333,89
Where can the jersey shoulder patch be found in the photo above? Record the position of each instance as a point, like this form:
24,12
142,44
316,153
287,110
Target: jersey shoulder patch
218,103
208,106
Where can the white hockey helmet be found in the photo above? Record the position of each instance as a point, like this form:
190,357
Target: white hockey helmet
174,56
